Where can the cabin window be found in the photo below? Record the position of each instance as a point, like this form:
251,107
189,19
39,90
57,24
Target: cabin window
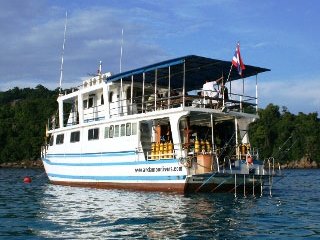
102,100
128,93
106,132
111,131
59,139
90,102
134,128
110,96
122,130
75,136
51,140
116,131
93,134
128,129
85,104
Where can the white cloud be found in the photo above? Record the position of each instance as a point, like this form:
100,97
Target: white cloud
299,95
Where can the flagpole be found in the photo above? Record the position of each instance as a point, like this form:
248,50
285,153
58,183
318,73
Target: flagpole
229,72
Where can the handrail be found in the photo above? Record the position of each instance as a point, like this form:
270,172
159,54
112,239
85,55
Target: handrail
159,104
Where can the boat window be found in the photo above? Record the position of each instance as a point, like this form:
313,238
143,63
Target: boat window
123,130
110,96
51,140
85,104
128,129
116,131
90,102
134,128
59,139
75,136
128,93
106,132
93,134
102,100
111,131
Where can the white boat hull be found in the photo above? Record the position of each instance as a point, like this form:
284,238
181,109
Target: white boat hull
163,175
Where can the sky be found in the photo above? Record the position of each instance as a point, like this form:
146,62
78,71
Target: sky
281,35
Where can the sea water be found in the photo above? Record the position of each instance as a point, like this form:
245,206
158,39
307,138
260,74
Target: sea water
40,210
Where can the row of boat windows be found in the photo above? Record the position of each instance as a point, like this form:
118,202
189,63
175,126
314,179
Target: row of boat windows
89,103
111,131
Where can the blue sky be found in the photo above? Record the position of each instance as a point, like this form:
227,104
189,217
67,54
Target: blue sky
280,35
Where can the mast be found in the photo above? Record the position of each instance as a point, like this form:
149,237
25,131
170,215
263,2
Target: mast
121,86
64,42
121,51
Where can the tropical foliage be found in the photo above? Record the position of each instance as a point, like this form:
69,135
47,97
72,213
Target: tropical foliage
23,115
286,136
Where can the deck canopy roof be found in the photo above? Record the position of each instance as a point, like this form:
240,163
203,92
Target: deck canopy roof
197,70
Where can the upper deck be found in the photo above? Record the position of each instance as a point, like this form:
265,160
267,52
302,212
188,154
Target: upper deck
175,83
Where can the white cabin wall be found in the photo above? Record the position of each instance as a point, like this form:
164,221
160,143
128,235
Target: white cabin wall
60,103
176,138
114,101
243,126
80,108
98,146
106,107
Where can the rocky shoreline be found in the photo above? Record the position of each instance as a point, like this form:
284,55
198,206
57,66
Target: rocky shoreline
23,164
304,163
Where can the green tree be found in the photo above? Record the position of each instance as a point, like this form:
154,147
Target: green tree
285,136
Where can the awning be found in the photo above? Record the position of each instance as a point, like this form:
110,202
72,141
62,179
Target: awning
197,70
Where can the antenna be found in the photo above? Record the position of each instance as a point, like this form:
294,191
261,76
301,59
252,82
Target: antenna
64,41
121,52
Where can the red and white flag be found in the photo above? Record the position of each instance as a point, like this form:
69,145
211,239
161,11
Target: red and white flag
237,60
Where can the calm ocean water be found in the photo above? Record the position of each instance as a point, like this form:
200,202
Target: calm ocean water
44,211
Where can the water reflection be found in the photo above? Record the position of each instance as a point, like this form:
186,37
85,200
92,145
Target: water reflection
44,211
94,213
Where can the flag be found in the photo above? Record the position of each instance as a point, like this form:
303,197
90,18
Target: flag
237,60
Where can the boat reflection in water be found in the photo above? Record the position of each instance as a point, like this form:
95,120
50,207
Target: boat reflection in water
94,213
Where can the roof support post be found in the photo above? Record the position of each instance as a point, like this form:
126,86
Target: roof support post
243,87
121,97
169,87
236,132
212,134
106,102
61,113
131,95
142,100
155,88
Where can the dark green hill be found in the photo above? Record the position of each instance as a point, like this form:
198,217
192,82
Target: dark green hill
286,136
23,115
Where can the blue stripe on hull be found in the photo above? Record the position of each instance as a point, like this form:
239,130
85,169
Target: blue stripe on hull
157,162
101,154
119,178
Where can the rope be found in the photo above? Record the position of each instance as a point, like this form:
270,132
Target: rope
205,182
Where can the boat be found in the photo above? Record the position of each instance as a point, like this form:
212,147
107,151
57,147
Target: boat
154,129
